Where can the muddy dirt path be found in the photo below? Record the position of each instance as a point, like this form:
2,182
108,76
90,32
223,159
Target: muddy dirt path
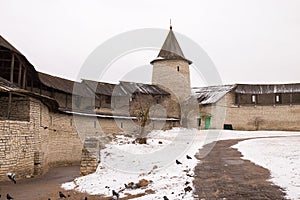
44,187
48,186
222,174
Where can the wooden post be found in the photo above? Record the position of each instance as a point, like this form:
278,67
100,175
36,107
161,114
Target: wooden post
9,105
11,80
12,68
24,78
100,101
20,74
31,84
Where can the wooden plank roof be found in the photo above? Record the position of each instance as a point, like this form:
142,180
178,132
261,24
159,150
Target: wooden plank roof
6,44
267,88
100,87
171,49
65,85
132,87
211,94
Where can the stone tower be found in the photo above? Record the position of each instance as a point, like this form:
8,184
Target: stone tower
171,69
171,72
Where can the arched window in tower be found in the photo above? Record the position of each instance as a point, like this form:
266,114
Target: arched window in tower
178,68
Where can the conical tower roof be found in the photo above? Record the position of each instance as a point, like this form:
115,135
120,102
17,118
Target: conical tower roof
171,49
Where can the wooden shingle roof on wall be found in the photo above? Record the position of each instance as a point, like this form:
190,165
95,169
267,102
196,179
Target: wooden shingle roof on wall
100,87
124,88
132,87
65,85
89,88
267,88
211,94
6,44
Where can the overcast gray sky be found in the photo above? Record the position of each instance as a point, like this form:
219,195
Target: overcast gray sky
249,41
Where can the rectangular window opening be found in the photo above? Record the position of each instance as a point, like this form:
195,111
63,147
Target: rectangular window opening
253,98
278,98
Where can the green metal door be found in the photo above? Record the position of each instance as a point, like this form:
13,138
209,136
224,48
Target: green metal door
207,122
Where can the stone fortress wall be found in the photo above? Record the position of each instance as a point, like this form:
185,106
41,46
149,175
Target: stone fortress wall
36,138
275,117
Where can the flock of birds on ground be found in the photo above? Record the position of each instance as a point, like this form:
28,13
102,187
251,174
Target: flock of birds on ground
115,195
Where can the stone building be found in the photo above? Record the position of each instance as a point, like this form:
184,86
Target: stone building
249,107
171,72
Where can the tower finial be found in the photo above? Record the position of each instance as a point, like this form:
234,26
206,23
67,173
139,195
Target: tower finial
170,24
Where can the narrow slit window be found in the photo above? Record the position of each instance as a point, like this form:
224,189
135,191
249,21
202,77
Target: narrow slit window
253,98
178,68
277,98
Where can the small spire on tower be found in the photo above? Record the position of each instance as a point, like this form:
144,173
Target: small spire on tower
170,24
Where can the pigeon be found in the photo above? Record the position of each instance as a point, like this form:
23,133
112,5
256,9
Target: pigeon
178,163
166,198
115,195
8,197
11,176
61,195
188,157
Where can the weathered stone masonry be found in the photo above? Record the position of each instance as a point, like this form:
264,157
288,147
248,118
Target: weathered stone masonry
29,148
252,117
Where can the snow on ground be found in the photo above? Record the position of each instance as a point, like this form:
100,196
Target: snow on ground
123,162
281,156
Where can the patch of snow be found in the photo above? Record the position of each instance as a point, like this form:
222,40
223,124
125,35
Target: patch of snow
281,156
123,162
